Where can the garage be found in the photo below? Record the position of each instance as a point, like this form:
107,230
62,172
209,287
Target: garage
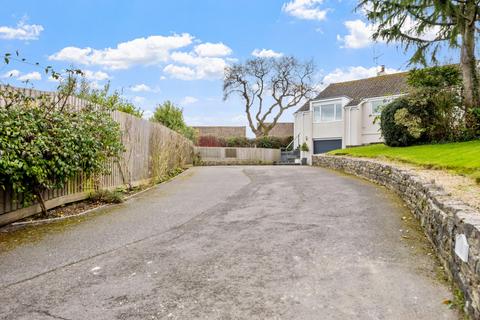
322,146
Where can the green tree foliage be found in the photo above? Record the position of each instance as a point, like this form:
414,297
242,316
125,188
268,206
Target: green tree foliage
112,100
44,143
452,23
432,112
244,142
171,117
396,133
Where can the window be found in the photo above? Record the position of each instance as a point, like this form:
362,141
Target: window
377,105
327,112
338,112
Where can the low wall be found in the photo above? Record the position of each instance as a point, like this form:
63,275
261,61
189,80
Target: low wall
233,156
446,221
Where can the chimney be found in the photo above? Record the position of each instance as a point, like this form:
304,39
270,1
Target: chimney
381,72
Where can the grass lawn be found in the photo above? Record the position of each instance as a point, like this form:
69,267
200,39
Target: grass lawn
461,158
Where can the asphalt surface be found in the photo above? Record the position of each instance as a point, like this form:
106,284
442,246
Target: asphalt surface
229,243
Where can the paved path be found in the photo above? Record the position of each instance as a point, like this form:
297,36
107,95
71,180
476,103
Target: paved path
229,243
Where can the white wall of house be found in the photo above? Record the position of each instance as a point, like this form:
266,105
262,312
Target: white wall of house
302,128
370,132
355,126
325,127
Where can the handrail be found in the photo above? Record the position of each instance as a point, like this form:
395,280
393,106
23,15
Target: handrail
288,146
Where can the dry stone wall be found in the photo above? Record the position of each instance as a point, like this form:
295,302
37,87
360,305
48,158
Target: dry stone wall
452,226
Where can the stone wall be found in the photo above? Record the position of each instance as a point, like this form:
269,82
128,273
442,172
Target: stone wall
444,219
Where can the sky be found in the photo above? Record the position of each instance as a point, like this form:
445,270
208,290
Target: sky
160,50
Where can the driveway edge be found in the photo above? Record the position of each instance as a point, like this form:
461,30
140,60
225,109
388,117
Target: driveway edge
108,205
446,221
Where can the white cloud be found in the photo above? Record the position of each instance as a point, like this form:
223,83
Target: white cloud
147,114
141,88
266,53
360,33
15,74
140,51
30,76
22,31
179,72
305,9
188,100
212,50
11,74
138,100
95,75
195,67
353,73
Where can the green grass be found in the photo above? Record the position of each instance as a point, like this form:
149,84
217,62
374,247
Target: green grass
461,158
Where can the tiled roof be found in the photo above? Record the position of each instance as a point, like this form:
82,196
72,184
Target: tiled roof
357,90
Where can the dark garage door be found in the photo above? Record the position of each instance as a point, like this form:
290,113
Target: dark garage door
322,146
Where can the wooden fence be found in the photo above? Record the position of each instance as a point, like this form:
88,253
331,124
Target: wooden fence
151,151
220,155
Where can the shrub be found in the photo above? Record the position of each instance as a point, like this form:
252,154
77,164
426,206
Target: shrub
112,100
304,147
211,141
239,142
431,113
107,196
272,142
171,117
394,126
44,143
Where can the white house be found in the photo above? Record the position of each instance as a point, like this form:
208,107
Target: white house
343,114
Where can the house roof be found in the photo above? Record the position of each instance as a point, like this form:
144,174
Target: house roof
357,90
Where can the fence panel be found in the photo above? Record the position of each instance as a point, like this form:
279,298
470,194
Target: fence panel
151,151
220,155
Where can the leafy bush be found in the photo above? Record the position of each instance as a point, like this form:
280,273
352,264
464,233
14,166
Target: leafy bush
401,124
304,147
435,77
244,142
107,196
44,143
171,117
432,112
211,141
238,142
273,142
113,101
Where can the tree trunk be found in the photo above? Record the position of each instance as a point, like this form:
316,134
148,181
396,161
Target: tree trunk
42,203
468,65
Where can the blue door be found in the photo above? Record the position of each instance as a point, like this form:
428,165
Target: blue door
322,146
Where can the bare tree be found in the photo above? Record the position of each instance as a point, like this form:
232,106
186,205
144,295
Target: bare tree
268,87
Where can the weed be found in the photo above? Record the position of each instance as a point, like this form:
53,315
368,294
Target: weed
107,196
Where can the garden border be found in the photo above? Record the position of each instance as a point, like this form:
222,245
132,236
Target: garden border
442,218
127,198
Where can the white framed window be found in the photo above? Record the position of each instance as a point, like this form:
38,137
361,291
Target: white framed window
378,104
327,112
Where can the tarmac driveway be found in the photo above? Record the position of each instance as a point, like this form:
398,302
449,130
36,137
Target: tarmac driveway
265,242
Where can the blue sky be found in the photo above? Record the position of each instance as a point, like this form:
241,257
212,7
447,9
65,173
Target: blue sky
176,50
